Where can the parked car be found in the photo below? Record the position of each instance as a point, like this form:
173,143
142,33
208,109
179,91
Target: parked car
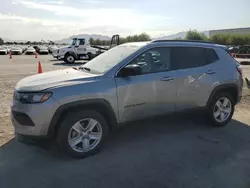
3,50
43,50
7,48
16,50
133,81
30,51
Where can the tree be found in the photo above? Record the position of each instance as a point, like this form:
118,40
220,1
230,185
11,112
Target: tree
1,41
221,39
91,41
195,35
28,43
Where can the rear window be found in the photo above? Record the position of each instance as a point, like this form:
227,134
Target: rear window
211,55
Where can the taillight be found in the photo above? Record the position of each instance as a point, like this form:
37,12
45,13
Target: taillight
239,69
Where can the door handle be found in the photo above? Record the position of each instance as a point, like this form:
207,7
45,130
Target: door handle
167,78
210,72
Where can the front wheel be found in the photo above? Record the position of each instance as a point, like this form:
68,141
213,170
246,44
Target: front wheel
82,133
70,59
221,109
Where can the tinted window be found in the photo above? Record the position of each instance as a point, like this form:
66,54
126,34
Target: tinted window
211,55
154,60
187,57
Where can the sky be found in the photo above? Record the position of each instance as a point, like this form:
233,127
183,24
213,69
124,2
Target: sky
58,19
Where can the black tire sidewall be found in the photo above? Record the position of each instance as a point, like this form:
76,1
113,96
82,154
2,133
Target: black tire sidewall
66,61
90,55
69,121
211,109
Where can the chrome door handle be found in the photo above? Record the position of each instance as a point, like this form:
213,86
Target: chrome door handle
167,78
210,72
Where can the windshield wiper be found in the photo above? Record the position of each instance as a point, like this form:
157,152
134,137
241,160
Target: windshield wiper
85,68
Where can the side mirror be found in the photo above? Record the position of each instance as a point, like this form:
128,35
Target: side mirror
130,70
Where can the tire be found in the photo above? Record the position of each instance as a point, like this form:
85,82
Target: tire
213,109
69,58
90,55
67,133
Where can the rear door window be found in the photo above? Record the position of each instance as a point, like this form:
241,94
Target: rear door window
187,57
191,57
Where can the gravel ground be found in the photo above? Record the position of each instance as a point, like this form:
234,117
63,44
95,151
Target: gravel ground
174,151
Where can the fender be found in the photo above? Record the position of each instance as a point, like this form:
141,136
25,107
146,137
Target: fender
223,87
71,53
101,105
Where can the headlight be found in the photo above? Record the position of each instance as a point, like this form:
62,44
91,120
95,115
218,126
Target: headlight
32,97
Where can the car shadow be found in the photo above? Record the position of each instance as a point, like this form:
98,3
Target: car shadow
172,151
74,64
56,60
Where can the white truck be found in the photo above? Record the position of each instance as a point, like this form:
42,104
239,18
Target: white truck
80,49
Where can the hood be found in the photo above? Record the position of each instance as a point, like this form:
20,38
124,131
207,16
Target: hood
50,79
64,47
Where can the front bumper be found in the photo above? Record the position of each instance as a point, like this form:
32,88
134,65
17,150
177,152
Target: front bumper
16,52
43,52
57,56
3,52
33,119
29,53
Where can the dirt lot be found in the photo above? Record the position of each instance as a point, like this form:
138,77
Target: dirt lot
174,151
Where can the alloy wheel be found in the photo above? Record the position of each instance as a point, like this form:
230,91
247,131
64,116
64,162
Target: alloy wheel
222,109
85,135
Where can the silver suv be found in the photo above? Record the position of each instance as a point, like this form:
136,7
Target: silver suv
79,106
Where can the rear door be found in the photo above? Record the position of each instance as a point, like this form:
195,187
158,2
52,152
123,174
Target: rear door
196,75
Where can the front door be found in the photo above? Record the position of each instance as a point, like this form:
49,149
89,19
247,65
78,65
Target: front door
80,47
150,93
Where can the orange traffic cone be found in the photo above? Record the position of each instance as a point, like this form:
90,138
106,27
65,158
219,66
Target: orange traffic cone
40,70
35,54
10,55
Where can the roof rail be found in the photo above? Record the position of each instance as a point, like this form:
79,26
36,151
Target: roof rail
199,41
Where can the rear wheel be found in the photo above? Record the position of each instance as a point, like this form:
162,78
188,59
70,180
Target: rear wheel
90,55
82,133
221,109
69,58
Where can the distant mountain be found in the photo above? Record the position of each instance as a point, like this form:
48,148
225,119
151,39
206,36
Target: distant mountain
86,36
179,35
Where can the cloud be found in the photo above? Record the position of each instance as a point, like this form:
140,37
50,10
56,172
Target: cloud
55,2
97,16
106,21
92,1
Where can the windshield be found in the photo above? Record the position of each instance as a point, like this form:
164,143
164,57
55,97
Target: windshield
73,42
109,59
